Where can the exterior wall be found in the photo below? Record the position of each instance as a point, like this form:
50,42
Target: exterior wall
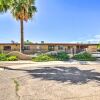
57,48
31,50
14,47
92,48
68,48
36,48
44,47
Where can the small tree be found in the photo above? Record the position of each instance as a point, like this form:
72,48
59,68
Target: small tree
98,47
27,42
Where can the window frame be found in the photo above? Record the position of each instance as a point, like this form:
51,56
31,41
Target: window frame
7,49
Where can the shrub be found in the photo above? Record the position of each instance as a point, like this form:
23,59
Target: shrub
62,56
84,57
12,58
50,57
4,57
43,57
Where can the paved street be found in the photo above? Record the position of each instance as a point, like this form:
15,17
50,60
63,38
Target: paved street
42,81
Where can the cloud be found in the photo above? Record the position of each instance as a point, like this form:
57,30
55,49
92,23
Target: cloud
75,41
97,36
95,39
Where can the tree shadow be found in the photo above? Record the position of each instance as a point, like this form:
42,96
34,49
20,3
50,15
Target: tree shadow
72,75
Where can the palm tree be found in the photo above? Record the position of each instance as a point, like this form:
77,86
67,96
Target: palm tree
4,5
23,10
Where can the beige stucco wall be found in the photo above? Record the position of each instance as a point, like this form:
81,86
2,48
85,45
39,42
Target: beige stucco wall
43,48
36,48
66,46
14,47
92,48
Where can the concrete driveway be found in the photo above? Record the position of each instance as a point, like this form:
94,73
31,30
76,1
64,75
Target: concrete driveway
50,82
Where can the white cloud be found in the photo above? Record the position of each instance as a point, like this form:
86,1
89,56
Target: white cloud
76,42
97,36
95,39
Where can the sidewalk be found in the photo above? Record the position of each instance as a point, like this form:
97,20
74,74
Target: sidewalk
22,64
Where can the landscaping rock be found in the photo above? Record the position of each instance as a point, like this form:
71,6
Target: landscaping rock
20,55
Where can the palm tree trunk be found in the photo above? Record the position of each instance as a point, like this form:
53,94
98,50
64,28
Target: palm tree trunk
22,36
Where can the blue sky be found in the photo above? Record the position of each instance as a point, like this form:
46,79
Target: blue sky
56,21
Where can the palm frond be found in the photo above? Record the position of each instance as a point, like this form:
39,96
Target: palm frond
23,9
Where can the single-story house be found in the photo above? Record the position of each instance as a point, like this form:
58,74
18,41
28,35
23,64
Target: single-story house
46,47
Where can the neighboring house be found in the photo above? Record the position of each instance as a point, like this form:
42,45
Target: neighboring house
46,47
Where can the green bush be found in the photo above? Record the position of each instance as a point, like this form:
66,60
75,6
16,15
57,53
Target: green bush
4,57
84,57
62,56
47,57
12,58
43,57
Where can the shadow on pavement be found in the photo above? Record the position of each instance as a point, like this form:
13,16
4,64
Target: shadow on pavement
73,75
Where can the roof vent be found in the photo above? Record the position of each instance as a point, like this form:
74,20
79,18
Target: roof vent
42,42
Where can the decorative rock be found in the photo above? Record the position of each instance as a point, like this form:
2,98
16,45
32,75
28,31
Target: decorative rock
20,55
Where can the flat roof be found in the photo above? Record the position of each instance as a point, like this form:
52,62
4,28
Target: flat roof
48,44
9,43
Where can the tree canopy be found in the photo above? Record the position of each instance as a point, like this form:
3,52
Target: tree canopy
20,9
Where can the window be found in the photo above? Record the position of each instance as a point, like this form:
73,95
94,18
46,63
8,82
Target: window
7,47
26,47
51,48
69,47
78,47
60,47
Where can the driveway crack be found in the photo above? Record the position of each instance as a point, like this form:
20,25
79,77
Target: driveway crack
16,88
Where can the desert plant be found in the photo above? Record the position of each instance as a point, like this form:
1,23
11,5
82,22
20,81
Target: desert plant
84,57
49,57
4,57
98,47
12,58
43,57
62,56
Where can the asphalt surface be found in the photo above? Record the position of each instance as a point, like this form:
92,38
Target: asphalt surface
50,82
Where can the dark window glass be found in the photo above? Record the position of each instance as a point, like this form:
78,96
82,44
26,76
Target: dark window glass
51,48
26,47
60,47
69,47
7,47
